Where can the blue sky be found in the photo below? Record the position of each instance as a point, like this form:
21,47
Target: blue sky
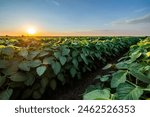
75,17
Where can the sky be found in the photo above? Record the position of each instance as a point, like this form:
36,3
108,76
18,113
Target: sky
75,17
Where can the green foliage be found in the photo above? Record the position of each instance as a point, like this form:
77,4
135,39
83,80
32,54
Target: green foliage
97,95
40,70
126,91
131,78
33,66
118,78
6,94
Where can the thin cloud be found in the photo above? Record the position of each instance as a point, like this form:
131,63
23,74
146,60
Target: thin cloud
109,32
141,10
140,20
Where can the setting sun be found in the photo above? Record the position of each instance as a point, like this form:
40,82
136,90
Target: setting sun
31,31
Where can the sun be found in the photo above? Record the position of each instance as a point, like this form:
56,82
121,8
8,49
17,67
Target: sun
31,31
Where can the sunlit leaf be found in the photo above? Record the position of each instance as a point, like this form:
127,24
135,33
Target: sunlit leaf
40,70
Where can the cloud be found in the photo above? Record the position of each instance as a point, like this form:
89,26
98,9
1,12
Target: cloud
140,20
141,10
106,32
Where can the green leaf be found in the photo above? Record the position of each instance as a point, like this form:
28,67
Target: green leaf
84,58
97,95
122,65
30,79
6,94
53,84
56,67
107,66
8,51
24,65
140,76
118,78
18,77
126,91
4,63
65,51
11,69
63,60
104,78
43,53
135,55
61,78
44,82
2,80
23,53
73,72
74,53
75,63
33,54
48,60
40,70
57,55
35,63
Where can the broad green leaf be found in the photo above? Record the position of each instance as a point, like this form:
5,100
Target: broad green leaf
18,77
97,95
48,60
61,78
104,78
140,76
40,70
30,79
122,65
43,53
12,68
53,84
9,51
135,55
33,54
6,94
24,65
4,63
56,67
63,60
118,78
35,63
23,53
65,51
74,53
57,55
84,58
75,63
107,66
44,82
126,91
2,80
73,72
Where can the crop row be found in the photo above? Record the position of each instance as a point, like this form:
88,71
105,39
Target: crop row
28,71
129,79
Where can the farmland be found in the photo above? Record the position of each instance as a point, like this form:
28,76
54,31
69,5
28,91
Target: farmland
37,67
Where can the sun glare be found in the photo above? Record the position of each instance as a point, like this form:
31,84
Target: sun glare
31,31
